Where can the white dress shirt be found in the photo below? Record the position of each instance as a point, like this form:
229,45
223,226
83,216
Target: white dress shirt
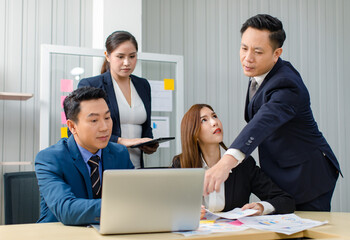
215,201
131,119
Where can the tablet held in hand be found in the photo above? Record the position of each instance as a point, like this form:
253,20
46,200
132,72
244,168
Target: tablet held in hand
153,141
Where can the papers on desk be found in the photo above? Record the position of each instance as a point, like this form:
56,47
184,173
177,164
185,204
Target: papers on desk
233,214
285,223
218,226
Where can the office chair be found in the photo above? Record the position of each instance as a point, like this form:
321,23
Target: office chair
22,198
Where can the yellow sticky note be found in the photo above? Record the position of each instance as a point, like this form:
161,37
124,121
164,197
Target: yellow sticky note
207,221
64,132
169,84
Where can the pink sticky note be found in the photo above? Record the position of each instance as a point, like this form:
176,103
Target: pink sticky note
63,118
62,100
66,85
236,223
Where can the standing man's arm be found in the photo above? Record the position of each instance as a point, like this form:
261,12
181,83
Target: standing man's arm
279,109
218,174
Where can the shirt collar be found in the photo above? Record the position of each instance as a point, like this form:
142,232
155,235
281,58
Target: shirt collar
204,164
260,79
86,154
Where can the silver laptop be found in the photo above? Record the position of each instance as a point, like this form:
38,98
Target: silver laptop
151,200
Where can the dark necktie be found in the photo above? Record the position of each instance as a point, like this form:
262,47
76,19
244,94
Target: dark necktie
94,162
252,88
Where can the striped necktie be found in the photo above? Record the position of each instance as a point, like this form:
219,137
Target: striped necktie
94,162
253,87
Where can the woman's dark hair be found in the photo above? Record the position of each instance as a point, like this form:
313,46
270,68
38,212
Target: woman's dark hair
113,41
267,22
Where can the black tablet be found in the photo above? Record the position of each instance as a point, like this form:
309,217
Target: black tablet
153,141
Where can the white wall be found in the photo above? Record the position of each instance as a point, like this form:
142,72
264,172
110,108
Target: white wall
25,24
207,34
113,15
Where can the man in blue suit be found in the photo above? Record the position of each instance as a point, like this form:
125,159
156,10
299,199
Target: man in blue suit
292,151
63,170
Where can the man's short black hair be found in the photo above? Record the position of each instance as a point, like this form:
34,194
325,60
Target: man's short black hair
72,102
267,22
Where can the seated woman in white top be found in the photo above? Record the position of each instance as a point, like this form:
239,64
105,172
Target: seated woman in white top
201,140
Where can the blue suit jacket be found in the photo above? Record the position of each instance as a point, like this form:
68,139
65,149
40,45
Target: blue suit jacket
292,151
65,184
104,81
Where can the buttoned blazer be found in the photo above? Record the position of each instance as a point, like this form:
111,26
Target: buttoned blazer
248,178
65,184
292,151
104,81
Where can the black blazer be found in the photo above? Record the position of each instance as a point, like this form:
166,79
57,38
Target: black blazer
104,81
248,178
292,151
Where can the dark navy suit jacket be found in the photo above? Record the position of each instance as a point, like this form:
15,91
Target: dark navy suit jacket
247,178
65,184
104,81
292,151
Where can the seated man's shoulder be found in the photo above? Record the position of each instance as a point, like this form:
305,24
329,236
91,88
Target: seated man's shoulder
54,151
116,148
120,152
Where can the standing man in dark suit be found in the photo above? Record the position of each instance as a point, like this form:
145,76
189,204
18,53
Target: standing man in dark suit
69,173
292,151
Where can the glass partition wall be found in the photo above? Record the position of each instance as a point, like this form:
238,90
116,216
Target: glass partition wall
61,69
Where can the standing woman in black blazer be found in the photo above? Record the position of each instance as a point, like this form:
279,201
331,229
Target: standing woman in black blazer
129,97
202,146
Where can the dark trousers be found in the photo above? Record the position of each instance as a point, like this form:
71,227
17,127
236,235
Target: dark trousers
321,203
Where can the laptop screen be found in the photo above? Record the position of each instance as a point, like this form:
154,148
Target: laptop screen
151,200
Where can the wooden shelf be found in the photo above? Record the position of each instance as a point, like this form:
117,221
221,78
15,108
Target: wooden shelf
15,96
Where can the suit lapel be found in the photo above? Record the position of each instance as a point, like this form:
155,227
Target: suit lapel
142,93
79,164
109,88
107,160
249,104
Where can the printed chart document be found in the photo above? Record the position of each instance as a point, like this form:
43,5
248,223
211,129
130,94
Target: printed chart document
221,222
285,223
218,226
233,214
